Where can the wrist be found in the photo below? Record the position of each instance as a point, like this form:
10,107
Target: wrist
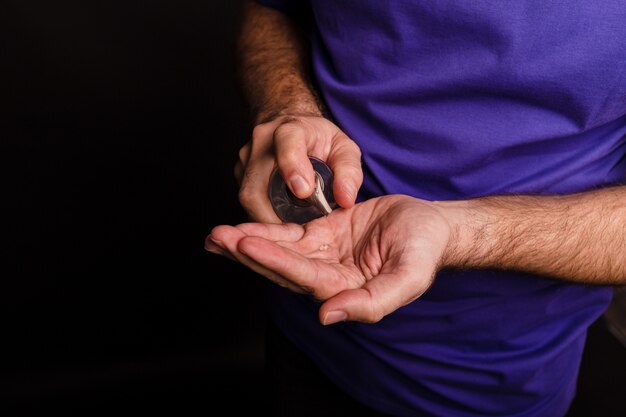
469,244
291,96
292,110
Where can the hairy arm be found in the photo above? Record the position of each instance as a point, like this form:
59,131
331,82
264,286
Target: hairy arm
579,237
273,61
383,253
288,118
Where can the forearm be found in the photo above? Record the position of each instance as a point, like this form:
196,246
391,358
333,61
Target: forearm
273,65
579,237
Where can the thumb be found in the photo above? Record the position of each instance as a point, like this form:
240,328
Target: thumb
377,298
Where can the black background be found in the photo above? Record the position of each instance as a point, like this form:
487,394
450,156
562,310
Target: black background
119,127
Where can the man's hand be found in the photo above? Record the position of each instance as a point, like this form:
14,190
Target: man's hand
274,69
285,143
369,260
362,263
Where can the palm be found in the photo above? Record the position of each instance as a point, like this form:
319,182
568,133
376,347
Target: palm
385,249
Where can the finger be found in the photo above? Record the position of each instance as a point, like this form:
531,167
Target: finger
227,238
377,298
211,246
242,162
289,232
253,192
345,162
317,278
290,142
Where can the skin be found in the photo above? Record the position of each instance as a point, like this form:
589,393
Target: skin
288,117
285,144
364,261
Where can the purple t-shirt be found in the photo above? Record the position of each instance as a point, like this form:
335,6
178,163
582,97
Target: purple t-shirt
450,100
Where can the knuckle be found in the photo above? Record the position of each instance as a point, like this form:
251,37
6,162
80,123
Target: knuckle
374,318
357,151
289,155
244,151
375,314
246,196
288,128
351,147
258,132
261,134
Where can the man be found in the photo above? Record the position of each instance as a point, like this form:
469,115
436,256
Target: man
478,150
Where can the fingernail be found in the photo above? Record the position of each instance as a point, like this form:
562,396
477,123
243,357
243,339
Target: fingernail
215,251
217,242
333,317
299,186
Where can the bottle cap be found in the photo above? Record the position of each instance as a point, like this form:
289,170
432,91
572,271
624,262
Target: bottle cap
291,209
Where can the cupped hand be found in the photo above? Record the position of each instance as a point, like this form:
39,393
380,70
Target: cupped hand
285,143
362,263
